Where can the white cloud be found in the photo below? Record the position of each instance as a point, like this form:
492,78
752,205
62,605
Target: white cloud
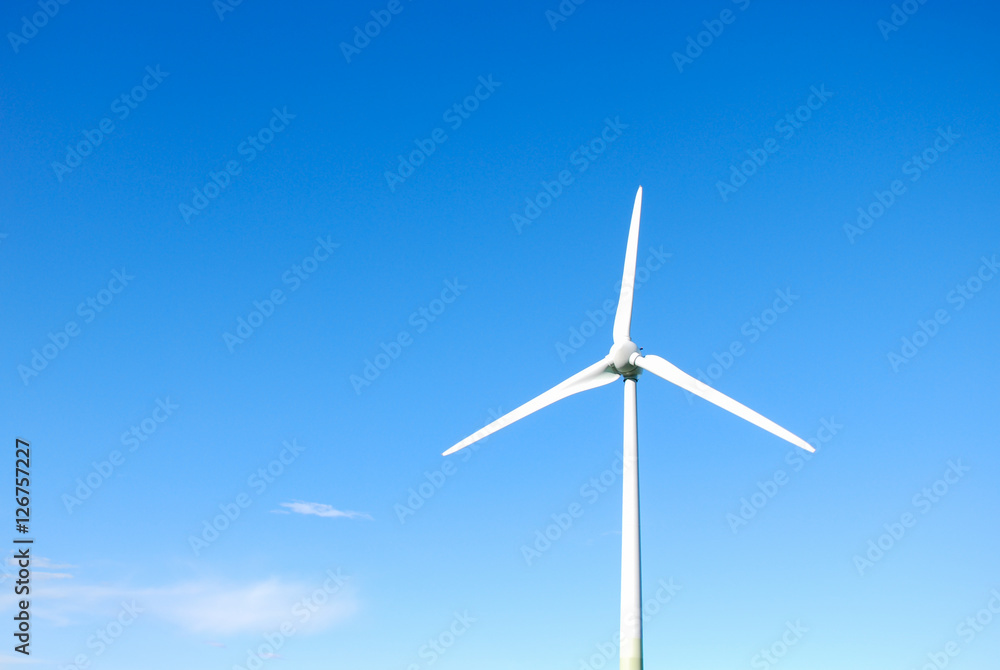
320,509
218,609
39,562
39,566
52,575
206,607
18,660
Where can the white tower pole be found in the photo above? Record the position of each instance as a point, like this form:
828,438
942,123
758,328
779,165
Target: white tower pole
631,614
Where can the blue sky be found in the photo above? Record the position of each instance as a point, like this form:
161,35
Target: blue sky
218,219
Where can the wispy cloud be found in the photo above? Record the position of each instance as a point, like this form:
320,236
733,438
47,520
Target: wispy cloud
226,609
42,562
52,575
40,568
208,607
320,509
6,660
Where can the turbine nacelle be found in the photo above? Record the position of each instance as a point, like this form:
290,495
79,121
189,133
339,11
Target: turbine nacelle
620,356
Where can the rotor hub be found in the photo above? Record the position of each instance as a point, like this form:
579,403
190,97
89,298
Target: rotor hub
620,354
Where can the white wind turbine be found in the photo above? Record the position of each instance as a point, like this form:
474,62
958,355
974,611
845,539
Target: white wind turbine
624,360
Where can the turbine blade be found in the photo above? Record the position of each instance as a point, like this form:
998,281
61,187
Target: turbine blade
623,317
598,374
667,370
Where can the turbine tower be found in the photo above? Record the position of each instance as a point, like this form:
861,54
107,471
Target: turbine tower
625,362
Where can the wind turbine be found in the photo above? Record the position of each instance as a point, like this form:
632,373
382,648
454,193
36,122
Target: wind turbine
625,361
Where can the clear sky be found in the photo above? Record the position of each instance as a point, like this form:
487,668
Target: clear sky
259,269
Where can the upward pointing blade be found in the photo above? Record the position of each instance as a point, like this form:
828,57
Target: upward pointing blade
623,317
667,370
598,374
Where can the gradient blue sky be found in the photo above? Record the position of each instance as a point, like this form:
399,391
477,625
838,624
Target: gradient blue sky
497,343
